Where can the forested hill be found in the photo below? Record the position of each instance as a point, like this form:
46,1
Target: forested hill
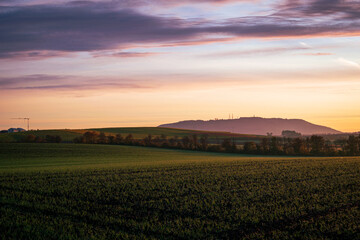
254,125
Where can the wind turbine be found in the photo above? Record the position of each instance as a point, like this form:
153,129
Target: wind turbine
28,122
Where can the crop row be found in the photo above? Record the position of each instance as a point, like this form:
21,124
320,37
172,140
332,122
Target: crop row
311,198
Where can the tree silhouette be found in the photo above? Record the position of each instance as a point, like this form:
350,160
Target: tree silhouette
90,137
352,147
194,141
186,142
204,142
102,139
250,147
275,147
299,146
111,139
317,145
118,139
265,145
148,140
129,139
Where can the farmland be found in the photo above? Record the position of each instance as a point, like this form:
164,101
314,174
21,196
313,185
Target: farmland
68,135
68,191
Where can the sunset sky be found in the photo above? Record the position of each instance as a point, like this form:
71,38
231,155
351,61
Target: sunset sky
82,64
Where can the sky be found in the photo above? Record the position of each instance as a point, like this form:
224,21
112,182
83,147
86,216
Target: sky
83,64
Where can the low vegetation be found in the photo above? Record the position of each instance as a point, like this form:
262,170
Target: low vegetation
142,132
83,191
65,135
309,146
291,144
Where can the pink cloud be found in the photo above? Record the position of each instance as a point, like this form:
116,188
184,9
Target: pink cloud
35,55
125,54
318,54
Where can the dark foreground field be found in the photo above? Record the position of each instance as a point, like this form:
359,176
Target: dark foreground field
65,191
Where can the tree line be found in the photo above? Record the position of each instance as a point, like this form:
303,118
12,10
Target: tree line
31,138
309,146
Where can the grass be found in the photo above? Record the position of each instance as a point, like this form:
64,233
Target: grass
65,191
34,156
141,132
66,135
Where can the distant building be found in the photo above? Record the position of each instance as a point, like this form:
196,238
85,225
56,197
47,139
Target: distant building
13,130
290,134
4,131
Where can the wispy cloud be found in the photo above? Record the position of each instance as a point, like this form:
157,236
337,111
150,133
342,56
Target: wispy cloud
348,9
302,47
125,54
259,51
68,83
318,54
34,55
87,86
160,82
305,45
8,82
348,63
121,3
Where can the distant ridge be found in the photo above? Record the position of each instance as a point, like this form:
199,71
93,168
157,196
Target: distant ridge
254,125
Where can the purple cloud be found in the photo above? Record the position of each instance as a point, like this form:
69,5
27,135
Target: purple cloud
88,26
305,8
120,3
125,54
262,51
67,83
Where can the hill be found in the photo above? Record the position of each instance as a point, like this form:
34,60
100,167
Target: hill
254,125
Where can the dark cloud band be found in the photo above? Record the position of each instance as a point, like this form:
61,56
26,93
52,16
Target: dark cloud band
90,27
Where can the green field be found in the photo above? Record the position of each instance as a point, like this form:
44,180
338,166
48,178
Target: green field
68,191
34,156
141,132
68,135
